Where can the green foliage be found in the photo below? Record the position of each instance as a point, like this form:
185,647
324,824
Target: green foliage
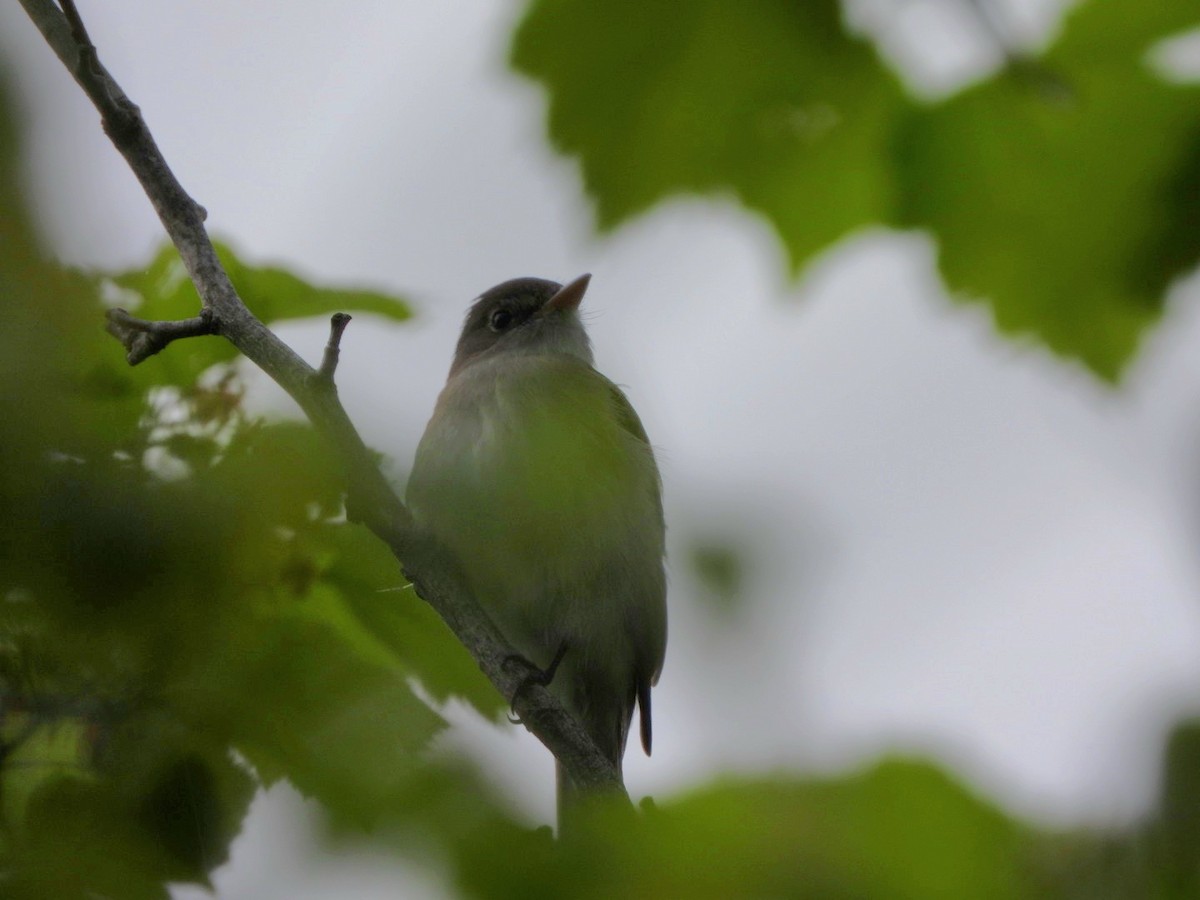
185,615
1061,191
184,612
900,829
163,290
1177,833
768,99
721,570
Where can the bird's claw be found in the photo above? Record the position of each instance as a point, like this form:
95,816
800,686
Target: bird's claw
534,675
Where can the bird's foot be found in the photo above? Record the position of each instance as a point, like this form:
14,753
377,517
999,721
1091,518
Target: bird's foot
534,675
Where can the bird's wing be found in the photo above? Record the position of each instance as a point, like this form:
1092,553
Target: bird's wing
653,633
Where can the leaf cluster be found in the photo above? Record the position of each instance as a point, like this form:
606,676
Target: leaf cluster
186,616
1062,191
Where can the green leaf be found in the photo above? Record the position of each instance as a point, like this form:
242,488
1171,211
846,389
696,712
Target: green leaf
1066,194
721,570
1062,192
181,789
1178,828
283,469
900,829
769,99
367,575
271,293
160,804
78,841
163,290
299,701
152,628
274,294
49,346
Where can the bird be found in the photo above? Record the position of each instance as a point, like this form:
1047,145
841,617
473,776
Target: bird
535,472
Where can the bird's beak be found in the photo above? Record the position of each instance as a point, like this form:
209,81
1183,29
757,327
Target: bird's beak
569,296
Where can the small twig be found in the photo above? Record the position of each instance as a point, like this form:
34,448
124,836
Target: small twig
337,325
79,31
142,339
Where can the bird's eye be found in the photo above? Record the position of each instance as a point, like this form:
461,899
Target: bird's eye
500,319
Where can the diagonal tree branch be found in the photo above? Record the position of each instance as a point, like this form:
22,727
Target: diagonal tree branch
431,569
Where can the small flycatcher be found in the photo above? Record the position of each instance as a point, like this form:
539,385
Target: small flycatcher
536,473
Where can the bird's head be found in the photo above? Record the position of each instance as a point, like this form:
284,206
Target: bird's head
524,316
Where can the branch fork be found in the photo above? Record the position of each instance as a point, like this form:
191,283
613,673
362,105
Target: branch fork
142,339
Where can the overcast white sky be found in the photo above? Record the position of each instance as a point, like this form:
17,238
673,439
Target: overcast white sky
959,546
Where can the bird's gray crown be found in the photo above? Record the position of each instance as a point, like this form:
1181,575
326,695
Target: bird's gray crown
514,316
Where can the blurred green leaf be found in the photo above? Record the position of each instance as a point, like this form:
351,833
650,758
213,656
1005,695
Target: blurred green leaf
1178,828
155,804
272,294
284,470
163,290
900,829
366,574
769,99
79,841
1062,192
721,571
153,627
181,787
169,645
1070,206
299,702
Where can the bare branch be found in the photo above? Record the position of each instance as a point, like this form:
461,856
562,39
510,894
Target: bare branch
433,572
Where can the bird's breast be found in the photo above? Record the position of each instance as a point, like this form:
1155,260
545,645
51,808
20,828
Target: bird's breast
528,475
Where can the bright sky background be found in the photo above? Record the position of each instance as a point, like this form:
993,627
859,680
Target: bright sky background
959,546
